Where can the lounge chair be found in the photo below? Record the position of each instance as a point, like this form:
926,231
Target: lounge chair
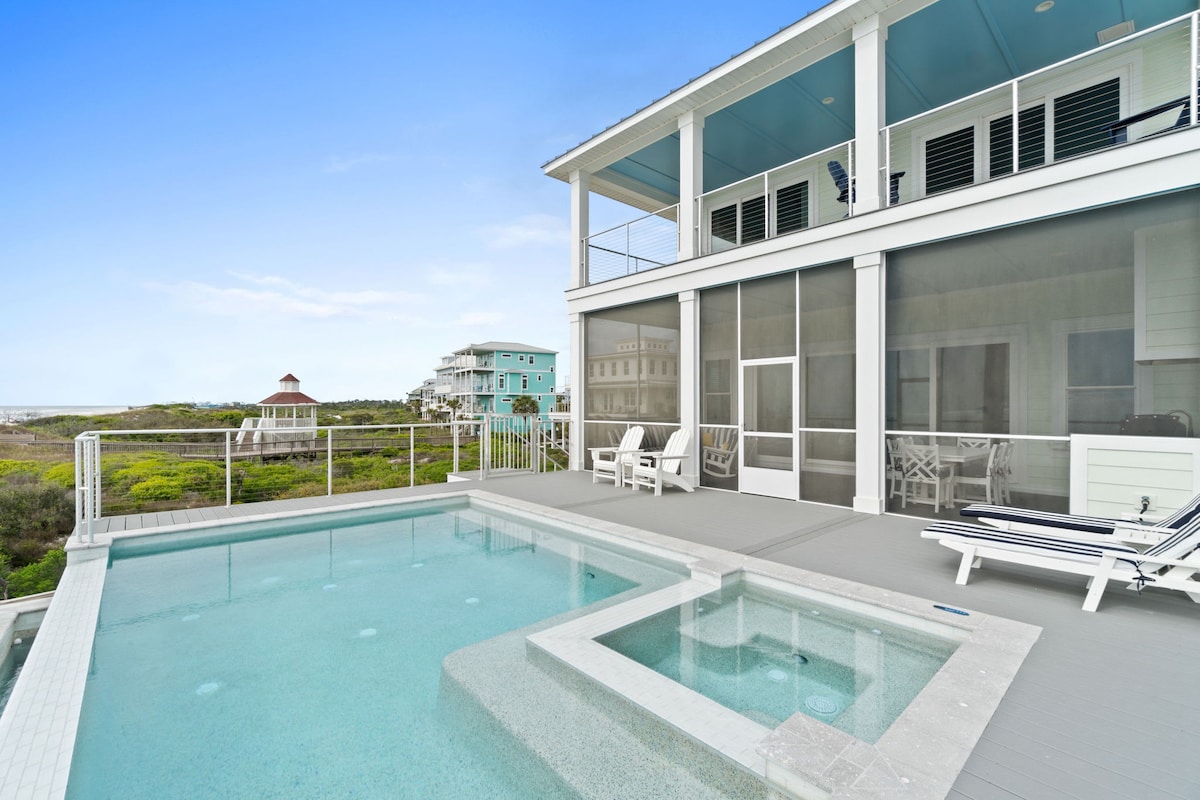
613,463
1034,521
1170,564
652,470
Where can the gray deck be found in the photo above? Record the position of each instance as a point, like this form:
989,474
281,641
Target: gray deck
1104,707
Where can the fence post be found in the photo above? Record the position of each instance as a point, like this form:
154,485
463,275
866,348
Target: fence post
228,470
329,460
454,428
412,456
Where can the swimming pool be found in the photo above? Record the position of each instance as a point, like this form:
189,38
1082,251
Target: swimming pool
597,724
768,656
307,663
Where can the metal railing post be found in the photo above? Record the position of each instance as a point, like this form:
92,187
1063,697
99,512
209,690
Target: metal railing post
455,431
412,456
228,469
329,460
1016,135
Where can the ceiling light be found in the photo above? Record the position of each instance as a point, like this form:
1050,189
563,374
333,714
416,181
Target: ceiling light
1045,5
827,100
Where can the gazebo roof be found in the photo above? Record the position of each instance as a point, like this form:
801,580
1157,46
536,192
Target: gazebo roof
288,399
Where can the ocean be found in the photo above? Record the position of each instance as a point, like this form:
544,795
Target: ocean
15,414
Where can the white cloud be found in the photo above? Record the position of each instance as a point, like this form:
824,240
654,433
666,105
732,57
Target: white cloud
274,296
530,229
469,275
338,164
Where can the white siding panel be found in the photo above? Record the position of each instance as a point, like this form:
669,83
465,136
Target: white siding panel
1110,473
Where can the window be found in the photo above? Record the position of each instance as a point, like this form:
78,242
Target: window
950,160
552,368
1031,124
1100,380
506,355
962,388
791,208
651,366
531,360
521,357
626,367
601,369
539,378
1081,118
524,382
741,223
591,370
664,368
500,381
505,399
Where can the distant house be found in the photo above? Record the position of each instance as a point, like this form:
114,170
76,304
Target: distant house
897,223
281,413
484,378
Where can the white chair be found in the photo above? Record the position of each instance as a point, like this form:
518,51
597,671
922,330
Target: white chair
989,481
1170,564
930,481
895,466
720,454
652,470
1004,473
613,463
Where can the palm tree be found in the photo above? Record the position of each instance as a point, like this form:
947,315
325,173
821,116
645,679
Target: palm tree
525,405
453,404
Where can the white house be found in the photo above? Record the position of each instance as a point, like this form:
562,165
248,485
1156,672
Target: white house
835,240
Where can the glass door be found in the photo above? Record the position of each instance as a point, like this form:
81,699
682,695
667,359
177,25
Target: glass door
768,423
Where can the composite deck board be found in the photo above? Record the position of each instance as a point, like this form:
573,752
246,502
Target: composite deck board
1103,708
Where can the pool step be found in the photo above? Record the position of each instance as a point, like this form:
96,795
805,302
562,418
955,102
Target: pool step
599,744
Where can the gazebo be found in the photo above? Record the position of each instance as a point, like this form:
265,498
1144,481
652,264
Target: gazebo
287,408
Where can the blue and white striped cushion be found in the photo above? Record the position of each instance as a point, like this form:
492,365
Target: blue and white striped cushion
1048,519
1190,511
1180,543
1020,540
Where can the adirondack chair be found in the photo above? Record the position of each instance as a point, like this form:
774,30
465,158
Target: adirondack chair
652,470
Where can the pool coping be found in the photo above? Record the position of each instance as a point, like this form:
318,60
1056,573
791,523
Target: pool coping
921,754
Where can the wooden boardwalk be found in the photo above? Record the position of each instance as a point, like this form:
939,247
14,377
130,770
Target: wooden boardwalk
1104,708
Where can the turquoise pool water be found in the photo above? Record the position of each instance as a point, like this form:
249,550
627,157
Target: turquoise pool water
10,667
768,656
307,664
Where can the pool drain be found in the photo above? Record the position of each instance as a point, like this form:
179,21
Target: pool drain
821,704
366,633
777,675
207,688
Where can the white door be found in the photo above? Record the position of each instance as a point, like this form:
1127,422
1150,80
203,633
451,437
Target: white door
769,458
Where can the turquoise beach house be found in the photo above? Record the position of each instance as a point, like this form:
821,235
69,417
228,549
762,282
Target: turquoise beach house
485,378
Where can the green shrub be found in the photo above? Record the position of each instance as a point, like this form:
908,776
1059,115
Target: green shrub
157,487
34,517
40,576
26,468
61,475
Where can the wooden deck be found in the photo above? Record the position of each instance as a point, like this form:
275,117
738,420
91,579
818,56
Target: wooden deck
1105,707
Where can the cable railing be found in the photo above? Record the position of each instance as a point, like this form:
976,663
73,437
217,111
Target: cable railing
123,472
646,243
1130,89
810,191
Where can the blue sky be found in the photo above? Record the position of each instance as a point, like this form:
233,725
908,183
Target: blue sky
200,197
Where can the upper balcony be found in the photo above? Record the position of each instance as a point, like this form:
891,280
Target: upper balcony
774,142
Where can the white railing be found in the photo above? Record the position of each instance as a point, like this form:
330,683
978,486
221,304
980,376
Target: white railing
204,467
1126,90
810,191
647,242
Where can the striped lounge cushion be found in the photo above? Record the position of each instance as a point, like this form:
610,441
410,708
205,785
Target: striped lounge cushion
1049,519
1019,540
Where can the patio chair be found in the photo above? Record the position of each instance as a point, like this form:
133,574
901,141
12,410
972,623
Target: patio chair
845,188
989,481
1170,564
895,466
1077,526
1118,132
923,468
719,452
612,463
652,470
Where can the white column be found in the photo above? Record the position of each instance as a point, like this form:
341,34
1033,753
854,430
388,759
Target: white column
691,180
578,373
580,183
869,54
689,378
869,291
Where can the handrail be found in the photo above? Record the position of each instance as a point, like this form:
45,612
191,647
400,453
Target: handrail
88,449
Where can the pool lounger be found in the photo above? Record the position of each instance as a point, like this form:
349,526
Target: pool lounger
1170,564
1078,526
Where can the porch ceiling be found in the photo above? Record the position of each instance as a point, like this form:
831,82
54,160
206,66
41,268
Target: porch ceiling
942,52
